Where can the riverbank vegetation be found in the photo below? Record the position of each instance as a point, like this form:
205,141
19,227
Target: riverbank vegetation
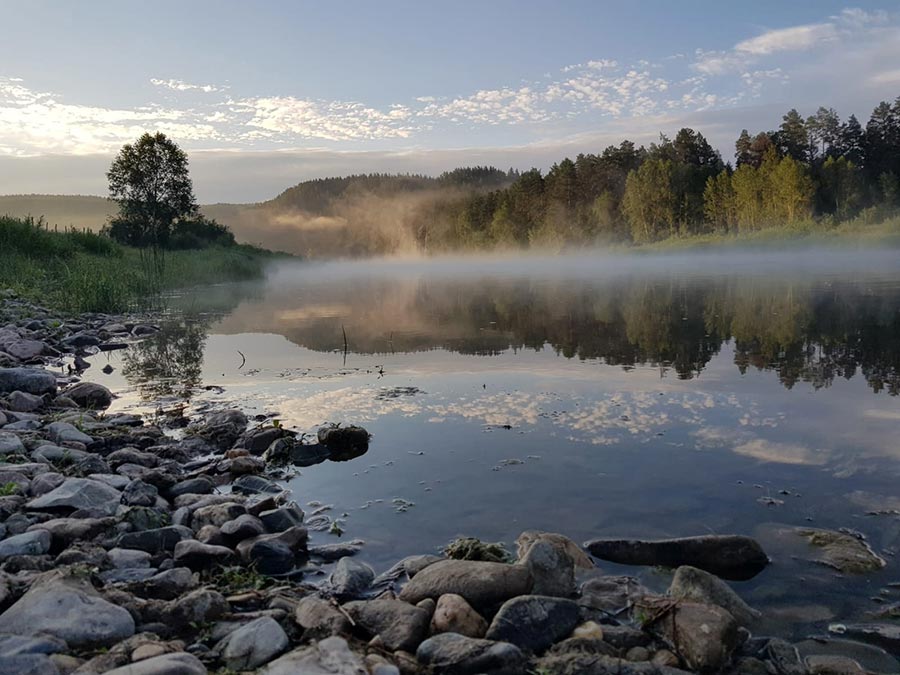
83,271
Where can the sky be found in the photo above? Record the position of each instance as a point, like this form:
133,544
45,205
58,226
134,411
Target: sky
263,95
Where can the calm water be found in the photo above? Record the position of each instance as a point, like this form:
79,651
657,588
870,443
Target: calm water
592,396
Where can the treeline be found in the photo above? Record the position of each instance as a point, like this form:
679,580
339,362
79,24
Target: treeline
815,168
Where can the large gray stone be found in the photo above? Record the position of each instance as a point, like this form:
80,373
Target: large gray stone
20,401
79,493
453,654
197,555
454,615
28,664
331,656
30,380
690,583
842,551
36,542
534,622
551,567
63,432
482,584
350,578
90,395
178,663
400,625
704,635
253,644
11,444
67,607
155,540
319,618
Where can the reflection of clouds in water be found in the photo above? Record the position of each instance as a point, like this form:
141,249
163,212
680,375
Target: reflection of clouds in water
516,409
885,415
745,443
783,453
348,404
604,422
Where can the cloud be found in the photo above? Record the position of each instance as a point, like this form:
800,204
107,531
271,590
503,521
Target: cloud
181,85
797,38
279,116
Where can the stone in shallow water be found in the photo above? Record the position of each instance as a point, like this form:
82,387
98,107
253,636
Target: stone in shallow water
90,395
843,552
350,578
728,556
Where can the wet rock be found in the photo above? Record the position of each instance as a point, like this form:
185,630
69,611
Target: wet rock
534,622
224,429
241,466
242,527
36,542
166,585
201,485
728,556
610,593
139,493
280,519
90,395
257,441
456,654
67,607
77,494
551,567
482,584
20,401
197,555
785,657
704,635
254,485
331,656
275,553
336,551
10,444
132,456
843,552
30,380
253,644
821,664
320,618
350,579
65,531
886,635
453,614
197,607
28,664
694,585
216,514
14,645
344,443
63,432
128,558
156,540
873,659
178,663
288,450
399,624
525,541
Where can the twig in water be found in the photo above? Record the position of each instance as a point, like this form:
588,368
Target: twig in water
243,359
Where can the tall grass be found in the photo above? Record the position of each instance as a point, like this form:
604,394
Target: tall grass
86,272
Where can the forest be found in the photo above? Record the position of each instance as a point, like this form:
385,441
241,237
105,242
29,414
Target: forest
808,174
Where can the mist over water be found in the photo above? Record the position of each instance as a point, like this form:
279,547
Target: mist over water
596,394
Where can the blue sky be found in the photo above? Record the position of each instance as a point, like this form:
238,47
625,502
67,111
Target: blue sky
265,94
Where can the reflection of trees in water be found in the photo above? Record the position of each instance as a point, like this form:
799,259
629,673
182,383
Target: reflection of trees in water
803,330
168,363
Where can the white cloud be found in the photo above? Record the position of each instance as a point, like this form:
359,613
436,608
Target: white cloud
181,85
796,38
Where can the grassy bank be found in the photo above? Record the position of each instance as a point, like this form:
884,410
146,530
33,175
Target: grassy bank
83,272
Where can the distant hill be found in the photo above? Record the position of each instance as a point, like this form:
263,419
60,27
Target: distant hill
353,215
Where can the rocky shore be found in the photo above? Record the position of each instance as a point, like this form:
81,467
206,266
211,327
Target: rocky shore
128,549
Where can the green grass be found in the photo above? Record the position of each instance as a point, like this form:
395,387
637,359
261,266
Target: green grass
81,271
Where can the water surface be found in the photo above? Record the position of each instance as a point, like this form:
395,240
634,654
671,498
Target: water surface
593,396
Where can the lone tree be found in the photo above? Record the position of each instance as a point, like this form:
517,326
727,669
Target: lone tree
149,180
